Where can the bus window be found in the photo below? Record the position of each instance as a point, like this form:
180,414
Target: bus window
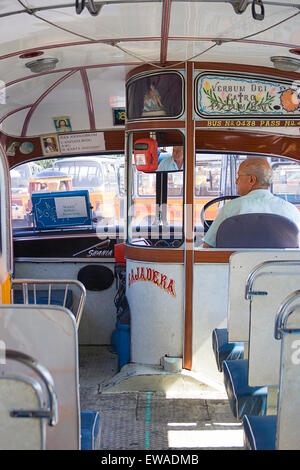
19,178
215,176
155,205
175,184
209,172
112,176
99,175
208,175
146,184
286,181
144,198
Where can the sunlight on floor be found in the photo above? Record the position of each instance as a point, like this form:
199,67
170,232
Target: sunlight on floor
206,438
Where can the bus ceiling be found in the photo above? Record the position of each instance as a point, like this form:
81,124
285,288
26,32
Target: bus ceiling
52,53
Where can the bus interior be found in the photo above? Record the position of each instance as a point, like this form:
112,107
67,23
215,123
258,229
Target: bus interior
123,127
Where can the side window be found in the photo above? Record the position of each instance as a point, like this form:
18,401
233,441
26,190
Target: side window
146,184
209,175
156,199
105,176
69,174
121,180
286,180
112,176
19,178
175,184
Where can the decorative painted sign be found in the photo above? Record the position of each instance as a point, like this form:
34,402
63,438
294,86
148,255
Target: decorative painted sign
155,96
148,274
239,96
85,142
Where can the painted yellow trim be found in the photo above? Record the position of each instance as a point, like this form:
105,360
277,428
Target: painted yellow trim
6,291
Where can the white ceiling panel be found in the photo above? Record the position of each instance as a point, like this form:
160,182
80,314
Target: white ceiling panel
28,91
14,123
219,20
114,21
67,99
7,6
135,33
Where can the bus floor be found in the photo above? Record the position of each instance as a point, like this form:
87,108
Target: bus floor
144,420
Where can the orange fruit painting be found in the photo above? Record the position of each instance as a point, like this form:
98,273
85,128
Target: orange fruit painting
290,100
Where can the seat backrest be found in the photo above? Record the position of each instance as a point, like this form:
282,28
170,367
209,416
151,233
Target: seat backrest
25,407
49,334
50,292
257,231
287,328
20,434
274,281
241,265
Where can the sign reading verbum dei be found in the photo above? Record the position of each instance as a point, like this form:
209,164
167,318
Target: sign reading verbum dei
235,97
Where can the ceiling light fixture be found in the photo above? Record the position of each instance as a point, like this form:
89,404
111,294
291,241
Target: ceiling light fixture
286,63
295,51
42,65
30,55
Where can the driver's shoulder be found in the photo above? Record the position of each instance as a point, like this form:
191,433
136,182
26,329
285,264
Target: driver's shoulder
234,204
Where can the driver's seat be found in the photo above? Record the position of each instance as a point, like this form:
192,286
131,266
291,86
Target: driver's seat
257,231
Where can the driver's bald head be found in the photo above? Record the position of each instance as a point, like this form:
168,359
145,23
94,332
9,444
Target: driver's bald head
258,167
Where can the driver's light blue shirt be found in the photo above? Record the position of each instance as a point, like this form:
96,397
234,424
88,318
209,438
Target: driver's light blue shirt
168,164
257,201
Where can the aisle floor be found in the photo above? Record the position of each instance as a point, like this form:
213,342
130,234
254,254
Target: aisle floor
152,420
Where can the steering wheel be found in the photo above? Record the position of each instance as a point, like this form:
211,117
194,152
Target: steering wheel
207,223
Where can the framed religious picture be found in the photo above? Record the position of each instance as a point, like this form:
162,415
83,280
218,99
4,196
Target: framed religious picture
50,145
155,95
12,148
62,124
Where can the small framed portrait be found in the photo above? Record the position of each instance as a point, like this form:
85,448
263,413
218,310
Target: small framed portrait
50,145
62,124
12,148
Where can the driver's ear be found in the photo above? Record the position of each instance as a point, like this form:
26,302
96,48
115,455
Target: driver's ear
253,180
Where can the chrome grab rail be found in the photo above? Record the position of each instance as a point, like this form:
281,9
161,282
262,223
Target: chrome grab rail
283,313
51,413
50,282
253,273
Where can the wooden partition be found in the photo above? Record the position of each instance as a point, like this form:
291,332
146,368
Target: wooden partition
204,127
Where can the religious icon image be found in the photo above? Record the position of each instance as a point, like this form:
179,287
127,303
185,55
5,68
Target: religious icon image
62,124
50,145
152,103
155,95
12,148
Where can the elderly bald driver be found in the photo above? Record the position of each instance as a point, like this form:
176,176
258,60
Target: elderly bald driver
253,182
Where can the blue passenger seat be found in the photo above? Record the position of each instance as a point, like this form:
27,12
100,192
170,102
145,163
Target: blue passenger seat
223,350
242,398
57,297
240,231
259,432
90,430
